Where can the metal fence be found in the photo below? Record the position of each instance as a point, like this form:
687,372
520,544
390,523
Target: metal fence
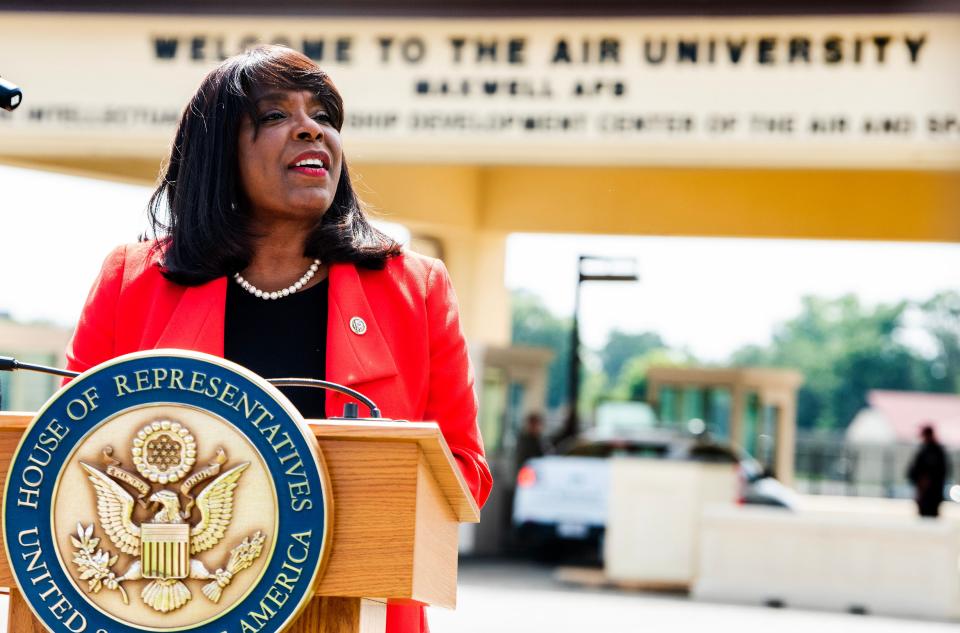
828,465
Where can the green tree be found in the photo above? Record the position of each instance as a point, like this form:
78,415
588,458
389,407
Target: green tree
844,349
593,390
622,347
941,319
533,324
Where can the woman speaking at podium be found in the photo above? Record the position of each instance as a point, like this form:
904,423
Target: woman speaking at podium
264,256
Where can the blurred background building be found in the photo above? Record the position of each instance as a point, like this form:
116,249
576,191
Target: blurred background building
38,343
468,122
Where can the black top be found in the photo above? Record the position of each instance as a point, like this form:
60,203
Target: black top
928,471
280,338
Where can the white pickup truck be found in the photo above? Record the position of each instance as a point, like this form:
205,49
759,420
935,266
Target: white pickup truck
563,497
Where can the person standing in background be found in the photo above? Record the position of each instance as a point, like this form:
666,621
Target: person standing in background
928,473
531,441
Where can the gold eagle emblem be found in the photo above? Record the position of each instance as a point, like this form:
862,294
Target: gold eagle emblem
165,546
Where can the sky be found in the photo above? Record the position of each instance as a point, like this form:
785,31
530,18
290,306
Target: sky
713,295
710,296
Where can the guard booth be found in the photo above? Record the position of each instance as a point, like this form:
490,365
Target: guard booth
511,383
755,408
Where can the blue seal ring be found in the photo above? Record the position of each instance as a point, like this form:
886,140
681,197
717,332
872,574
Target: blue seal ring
93,398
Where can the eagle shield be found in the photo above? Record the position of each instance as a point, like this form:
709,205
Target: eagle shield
165,550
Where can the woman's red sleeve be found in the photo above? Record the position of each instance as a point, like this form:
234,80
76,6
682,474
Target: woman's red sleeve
93,340
452,401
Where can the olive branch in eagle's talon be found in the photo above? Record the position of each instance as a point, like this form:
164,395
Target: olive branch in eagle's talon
94,566
241,557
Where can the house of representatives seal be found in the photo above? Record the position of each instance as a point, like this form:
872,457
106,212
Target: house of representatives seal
167,491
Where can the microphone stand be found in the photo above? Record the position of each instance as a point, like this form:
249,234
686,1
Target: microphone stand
350,411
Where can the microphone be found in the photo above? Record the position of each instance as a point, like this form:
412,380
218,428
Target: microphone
9,363
10,95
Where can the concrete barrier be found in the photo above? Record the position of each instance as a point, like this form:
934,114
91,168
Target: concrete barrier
890,565
871,506
653,525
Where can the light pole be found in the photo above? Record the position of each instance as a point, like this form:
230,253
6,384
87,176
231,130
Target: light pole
610,269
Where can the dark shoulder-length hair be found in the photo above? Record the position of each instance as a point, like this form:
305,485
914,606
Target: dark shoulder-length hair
198,211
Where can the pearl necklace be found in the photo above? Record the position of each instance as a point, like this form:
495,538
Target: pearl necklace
289,290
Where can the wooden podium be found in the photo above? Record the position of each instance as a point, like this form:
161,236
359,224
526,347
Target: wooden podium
398,499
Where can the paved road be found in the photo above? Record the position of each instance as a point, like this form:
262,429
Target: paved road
498,597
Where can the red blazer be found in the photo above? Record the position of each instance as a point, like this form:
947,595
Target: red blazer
412,360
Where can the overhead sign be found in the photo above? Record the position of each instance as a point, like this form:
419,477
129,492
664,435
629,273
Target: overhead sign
837,91
167,491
